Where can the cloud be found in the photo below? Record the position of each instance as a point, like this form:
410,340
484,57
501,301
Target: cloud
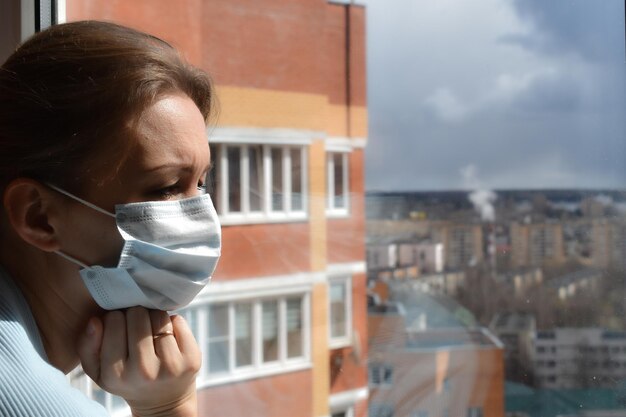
498,84
446,105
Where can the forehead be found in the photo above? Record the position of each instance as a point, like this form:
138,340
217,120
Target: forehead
170,130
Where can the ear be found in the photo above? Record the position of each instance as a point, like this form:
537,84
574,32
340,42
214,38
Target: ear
30,208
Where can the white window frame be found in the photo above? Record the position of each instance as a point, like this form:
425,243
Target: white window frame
344,340
81,381
258,368
331,210
266,214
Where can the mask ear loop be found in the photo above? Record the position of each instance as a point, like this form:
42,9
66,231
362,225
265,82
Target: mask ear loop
80,200
71,259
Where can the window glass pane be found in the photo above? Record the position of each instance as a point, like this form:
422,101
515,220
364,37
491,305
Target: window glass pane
243,334
277,178
296,179
338,310
217,341
255,161
233,154
340,201
212,176
294,328
270,331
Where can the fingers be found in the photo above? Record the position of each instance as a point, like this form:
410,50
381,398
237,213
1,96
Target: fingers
89,348
187,343
165,344
140,346
114,349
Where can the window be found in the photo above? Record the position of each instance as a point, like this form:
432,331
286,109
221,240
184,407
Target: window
475,412
245,338
380,374
116,406
243,334
218,351
258,183
380,410
337,183
340,311
295,341
343,413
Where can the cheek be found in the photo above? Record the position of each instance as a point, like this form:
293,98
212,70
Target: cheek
92,238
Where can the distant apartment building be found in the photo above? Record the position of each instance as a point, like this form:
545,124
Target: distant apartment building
582,282
534,244
433,372
462,243
381,256
425,256
520,280
609,243
288,185
516,330
579,358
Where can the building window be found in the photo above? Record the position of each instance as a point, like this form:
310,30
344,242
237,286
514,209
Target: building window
242,338
380,410
475,412
340,311
217,345
349,412
337,185
258,183
380,374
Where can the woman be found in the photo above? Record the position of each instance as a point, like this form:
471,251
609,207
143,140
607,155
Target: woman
103,223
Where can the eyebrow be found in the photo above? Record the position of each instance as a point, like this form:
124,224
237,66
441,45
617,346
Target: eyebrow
182,166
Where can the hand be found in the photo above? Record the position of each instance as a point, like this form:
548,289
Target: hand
155,375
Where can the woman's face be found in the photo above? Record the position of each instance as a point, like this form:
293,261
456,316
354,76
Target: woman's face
169,159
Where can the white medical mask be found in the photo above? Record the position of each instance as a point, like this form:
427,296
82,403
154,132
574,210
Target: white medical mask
171,250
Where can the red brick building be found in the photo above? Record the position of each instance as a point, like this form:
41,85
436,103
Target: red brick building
283,324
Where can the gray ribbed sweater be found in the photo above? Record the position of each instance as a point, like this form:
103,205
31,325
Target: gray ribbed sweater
29,385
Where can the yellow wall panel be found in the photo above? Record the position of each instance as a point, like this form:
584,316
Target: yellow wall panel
317,205
251,107
319,350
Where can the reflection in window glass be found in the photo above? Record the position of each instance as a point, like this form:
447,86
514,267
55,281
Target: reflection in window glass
296,179
217,340
255,163
339,195
338,307
233,156
294,328
276,155
243,335
270,330
212,175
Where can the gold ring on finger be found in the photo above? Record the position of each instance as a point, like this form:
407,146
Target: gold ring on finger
162,334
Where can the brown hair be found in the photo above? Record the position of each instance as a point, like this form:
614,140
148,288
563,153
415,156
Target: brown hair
67,94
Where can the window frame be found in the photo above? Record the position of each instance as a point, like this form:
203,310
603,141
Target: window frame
257,368
346,339
378,369
331,210
267,214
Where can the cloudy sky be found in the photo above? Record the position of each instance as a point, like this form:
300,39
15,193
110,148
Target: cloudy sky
504,93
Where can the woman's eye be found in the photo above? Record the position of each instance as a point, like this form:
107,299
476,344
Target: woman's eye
167,192
201,187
